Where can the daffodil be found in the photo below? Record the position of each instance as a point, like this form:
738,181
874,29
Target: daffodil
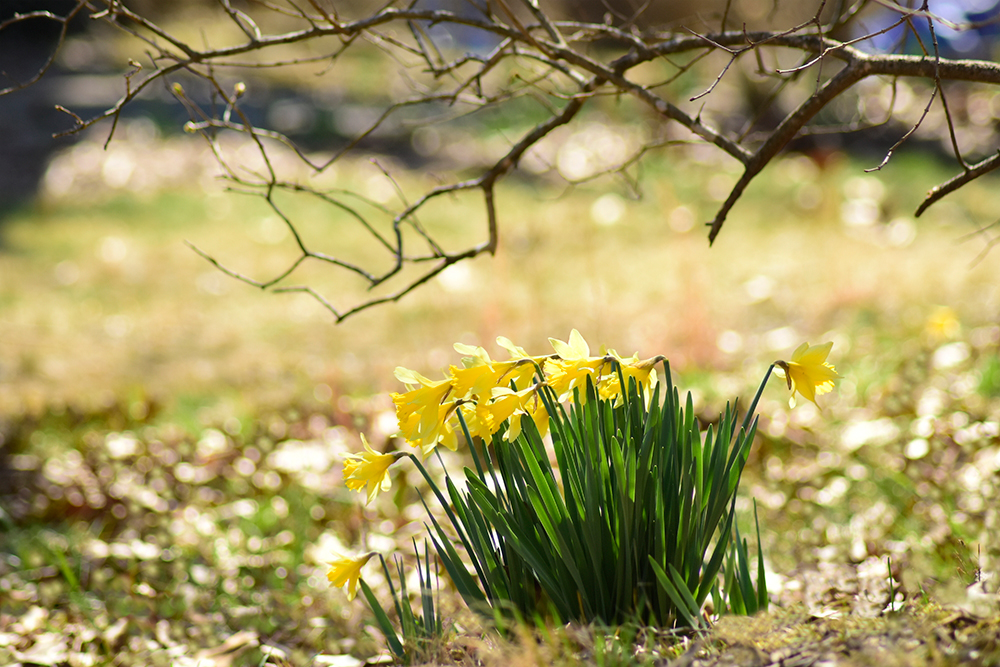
513,405
535,408
485,416
575,349
422,412
573,365
644,373
478,419
505,402
808,372
521,367
519,372
473,380
347,571
369,469
479,374
441,430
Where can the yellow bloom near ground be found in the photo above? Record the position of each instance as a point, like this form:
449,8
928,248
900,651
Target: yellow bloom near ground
347,571
370,469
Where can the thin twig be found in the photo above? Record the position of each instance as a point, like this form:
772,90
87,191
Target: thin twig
971,173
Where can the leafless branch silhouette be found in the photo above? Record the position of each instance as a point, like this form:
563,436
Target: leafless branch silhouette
565,66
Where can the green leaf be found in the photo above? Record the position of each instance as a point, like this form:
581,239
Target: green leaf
762,600
384,624
711,570
526,547
689,614
431,621
464,582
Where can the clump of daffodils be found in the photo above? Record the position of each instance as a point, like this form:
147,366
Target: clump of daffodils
490,399
488,394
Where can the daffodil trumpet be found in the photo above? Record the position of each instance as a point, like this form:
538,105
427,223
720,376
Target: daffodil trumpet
808,373
370,469
346,571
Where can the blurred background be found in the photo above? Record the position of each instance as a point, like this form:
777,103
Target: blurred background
148,399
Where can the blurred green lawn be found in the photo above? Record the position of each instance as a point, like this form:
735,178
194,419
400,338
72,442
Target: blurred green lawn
125,359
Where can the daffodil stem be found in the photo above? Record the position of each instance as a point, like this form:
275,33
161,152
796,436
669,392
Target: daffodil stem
437,454
451,515
435,489
756,398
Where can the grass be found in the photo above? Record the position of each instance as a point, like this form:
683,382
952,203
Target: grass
170,439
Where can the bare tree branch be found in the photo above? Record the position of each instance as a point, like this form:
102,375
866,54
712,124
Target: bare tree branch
784,133
63,22
973,172
561,67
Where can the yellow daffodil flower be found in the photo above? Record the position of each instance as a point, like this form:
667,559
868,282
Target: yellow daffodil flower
347,571
535,408
440,431
564,376
421,412
369,469
475,354
521,368
507,405
516,351
808,373
513,405
478,419
448,438
644,373
485,417
521,372
479,375
573,350
473,380
573,365
505,402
